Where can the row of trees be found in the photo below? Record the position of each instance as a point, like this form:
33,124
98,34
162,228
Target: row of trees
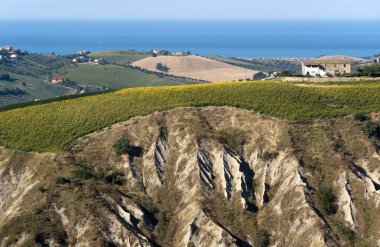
370,70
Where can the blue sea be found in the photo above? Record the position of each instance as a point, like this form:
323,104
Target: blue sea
248,39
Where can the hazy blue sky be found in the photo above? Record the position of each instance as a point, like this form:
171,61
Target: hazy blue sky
191,9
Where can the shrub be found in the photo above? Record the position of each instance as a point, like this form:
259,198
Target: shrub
327,199
267,156
261,238
82,173
115,177
42,189
162,67
372,129
360,116
347,232
108,176
122,146
61,180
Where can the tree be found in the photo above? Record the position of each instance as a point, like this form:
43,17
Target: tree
162,67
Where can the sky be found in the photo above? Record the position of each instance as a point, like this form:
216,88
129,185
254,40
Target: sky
190,9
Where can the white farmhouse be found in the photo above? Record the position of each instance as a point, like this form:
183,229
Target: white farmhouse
323,67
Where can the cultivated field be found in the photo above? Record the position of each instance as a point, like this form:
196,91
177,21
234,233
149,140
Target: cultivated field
119,57
197,67
55,126
115,76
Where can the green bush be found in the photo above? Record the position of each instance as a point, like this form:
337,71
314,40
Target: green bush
109,176
162,67
122,146
82,174
61,180
261,238
370,70
360,116
347,232
372,129
267,156
327,199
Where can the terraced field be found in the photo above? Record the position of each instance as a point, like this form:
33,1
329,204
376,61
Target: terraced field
55,126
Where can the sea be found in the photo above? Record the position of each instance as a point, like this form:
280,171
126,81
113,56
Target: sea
236,38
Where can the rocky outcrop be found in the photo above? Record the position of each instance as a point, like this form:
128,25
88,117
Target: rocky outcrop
205,167
235,175
205,177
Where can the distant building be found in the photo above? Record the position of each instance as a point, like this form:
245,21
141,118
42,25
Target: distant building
376,60
14,56
81,59
99,61
2,57
6,48
51,55
323,67
179,53
83,53
57,79
160,52
156,51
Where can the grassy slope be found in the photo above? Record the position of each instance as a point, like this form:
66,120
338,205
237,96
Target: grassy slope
120,57
114,76
36,88
33,70
55,126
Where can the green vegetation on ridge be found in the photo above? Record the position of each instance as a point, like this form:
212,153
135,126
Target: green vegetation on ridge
55,126
120,57
115,76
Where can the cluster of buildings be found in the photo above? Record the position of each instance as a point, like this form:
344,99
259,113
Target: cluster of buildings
9,52
82,57
376,60
326,67
167,53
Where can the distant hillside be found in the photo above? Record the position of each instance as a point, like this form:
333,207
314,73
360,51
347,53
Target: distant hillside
196,67
264,64
120,57
116,77
30,75
352,59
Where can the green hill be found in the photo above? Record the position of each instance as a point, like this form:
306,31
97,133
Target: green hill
115,76
55,126
120,57
29,73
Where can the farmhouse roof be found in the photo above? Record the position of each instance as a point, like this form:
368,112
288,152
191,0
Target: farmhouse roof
326,61
57,77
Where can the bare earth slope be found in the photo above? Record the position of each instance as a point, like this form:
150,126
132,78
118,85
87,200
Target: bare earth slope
198,177
197,67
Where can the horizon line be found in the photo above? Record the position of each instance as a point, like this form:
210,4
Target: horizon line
190,19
